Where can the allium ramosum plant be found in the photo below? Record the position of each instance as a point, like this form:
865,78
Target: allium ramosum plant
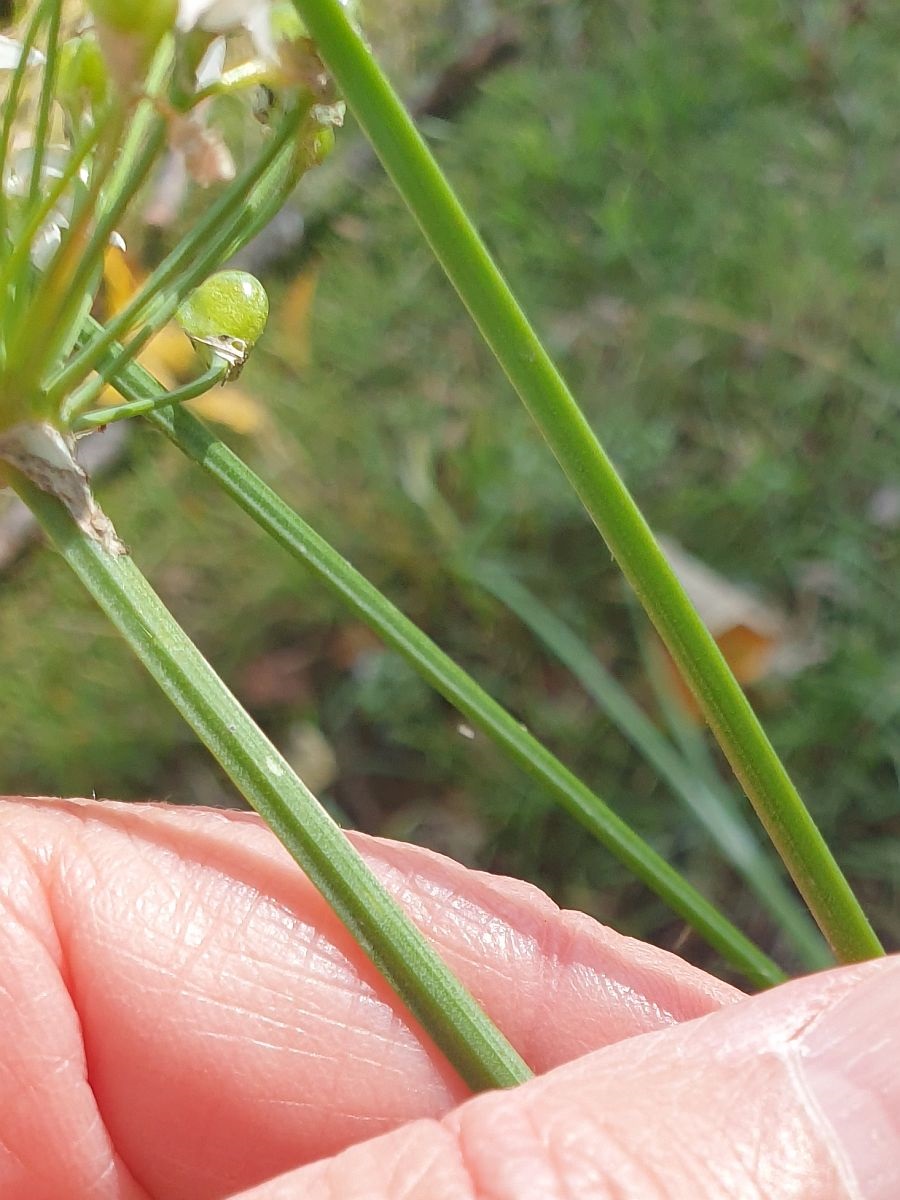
93,103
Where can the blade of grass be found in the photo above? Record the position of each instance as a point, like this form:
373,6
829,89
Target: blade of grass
703,796
470,1041
505,328
286,527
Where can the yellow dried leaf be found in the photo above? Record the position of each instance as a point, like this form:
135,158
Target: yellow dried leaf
232,407
294,317
748,631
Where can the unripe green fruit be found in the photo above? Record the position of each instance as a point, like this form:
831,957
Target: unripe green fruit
82,73
230,304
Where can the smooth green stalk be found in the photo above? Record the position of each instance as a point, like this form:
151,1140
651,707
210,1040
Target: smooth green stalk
529,368
286,527
11,100
144,138
42,329
702,794
45,103
91,260
163,399
117,176
484,713
10,107
445,1009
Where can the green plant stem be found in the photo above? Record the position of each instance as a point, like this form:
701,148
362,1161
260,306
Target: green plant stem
530,370
470,1041
163,399
45,104
701,792
286,527
8,306
11,100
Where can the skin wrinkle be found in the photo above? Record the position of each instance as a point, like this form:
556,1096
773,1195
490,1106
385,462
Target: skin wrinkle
79,1126
533,914
526,1170
798,1061
192,963
444,1176
243,906
512,901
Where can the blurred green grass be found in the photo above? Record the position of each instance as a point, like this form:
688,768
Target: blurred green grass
652,178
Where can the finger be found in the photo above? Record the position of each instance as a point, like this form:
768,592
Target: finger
794,1095
189,1007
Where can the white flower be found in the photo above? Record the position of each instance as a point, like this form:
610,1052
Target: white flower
11,53
227,16
17,185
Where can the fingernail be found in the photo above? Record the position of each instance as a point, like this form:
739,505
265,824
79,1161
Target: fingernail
851,1061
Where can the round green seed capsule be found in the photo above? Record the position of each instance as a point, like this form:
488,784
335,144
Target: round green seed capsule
229,304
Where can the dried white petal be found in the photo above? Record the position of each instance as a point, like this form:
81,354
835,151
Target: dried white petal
330,114
206,157
233,351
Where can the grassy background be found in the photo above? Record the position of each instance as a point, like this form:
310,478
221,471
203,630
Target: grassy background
699,208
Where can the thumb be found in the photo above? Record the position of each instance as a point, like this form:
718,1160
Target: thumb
792,1095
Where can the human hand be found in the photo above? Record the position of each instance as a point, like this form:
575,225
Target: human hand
181,1015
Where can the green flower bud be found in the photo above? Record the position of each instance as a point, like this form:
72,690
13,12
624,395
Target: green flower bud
227,313
82,73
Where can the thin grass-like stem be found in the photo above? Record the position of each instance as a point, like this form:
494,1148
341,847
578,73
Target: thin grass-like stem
11,99
701,792
505,328
286,527
483,1057
163,399
45,103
